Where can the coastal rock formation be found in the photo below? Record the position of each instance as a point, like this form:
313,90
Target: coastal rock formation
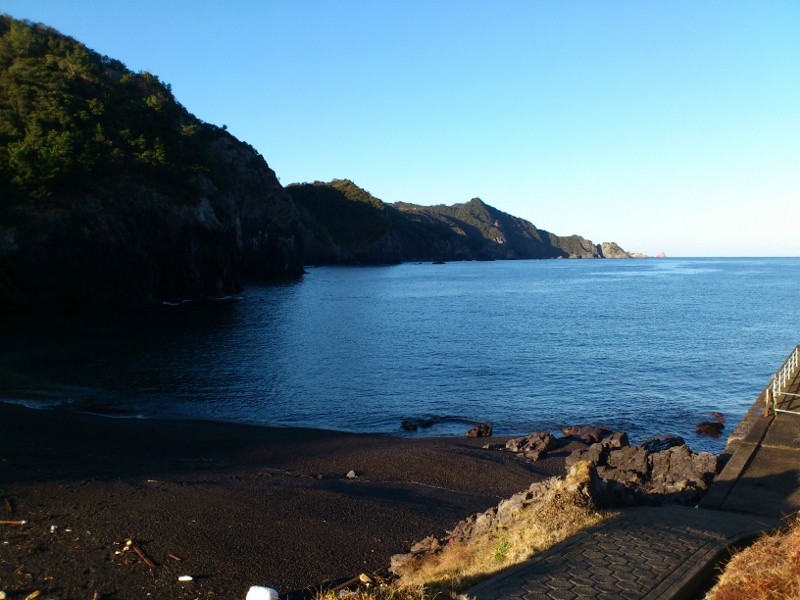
661,470
609,473
111,193
343,223
476,526
612,250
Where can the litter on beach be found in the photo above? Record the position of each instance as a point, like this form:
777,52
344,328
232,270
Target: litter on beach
258,592
185,578
13,522
145,559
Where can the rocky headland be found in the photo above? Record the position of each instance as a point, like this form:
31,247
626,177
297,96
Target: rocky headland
345,224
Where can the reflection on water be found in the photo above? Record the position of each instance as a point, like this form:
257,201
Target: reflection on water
645,346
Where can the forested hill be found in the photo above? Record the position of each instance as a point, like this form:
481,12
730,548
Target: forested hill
111,192
346,224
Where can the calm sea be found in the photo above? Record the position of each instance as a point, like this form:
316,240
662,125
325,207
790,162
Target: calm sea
645,346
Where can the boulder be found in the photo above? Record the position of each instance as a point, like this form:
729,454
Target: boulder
709,428
618,439
583,480
532,446
596,453
628,466
429,544
587,433
662,442
680,463
629,459
482,430
409,425
401,564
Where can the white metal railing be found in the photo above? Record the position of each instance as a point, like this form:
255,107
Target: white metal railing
781,381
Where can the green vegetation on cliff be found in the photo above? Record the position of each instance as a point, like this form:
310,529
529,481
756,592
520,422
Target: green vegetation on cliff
72,119
348,220
111,192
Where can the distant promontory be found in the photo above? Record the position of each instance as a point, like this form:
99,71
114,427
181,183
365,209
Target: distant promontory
345,224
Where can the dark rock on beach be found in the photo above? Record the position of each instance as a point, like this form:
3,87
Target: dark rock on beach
532,447
482,430
588,433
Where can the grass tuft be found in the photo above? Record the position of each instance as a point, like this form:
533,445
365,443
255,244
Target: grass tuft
767,570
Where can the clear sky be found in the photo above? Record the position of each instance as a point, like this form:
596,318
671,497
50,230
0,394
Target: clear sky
669,126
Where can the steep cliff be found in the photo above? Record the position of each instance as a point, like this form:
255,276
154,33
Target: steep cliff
111,193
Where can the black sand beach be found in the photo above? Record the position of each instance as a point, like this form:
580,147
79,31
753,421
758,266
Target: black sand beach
239,505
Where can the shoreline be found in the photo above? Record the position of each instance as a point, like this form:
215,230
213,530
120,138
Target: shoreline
240,504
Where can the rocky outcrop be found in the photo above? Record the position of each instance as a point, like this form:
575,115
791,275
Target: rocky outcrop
574,246
609,473
477,525
612,250
712,428
661,470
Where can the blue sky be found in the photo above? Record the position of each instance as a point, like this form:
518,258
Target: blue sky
669,126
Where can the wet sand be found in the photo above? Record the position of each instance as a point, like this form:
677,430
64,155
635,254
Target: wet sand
240,505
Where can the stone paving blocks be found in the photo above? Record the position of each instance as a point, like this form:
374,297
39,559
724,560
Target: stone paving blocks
630,557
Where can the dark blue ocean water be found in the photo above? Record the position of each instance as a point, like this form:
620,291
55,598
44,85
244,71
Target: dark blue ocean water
646,346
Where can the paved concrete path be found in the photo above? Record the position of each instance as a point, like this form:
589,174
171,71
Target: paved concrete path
649,552
669,553
763,475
